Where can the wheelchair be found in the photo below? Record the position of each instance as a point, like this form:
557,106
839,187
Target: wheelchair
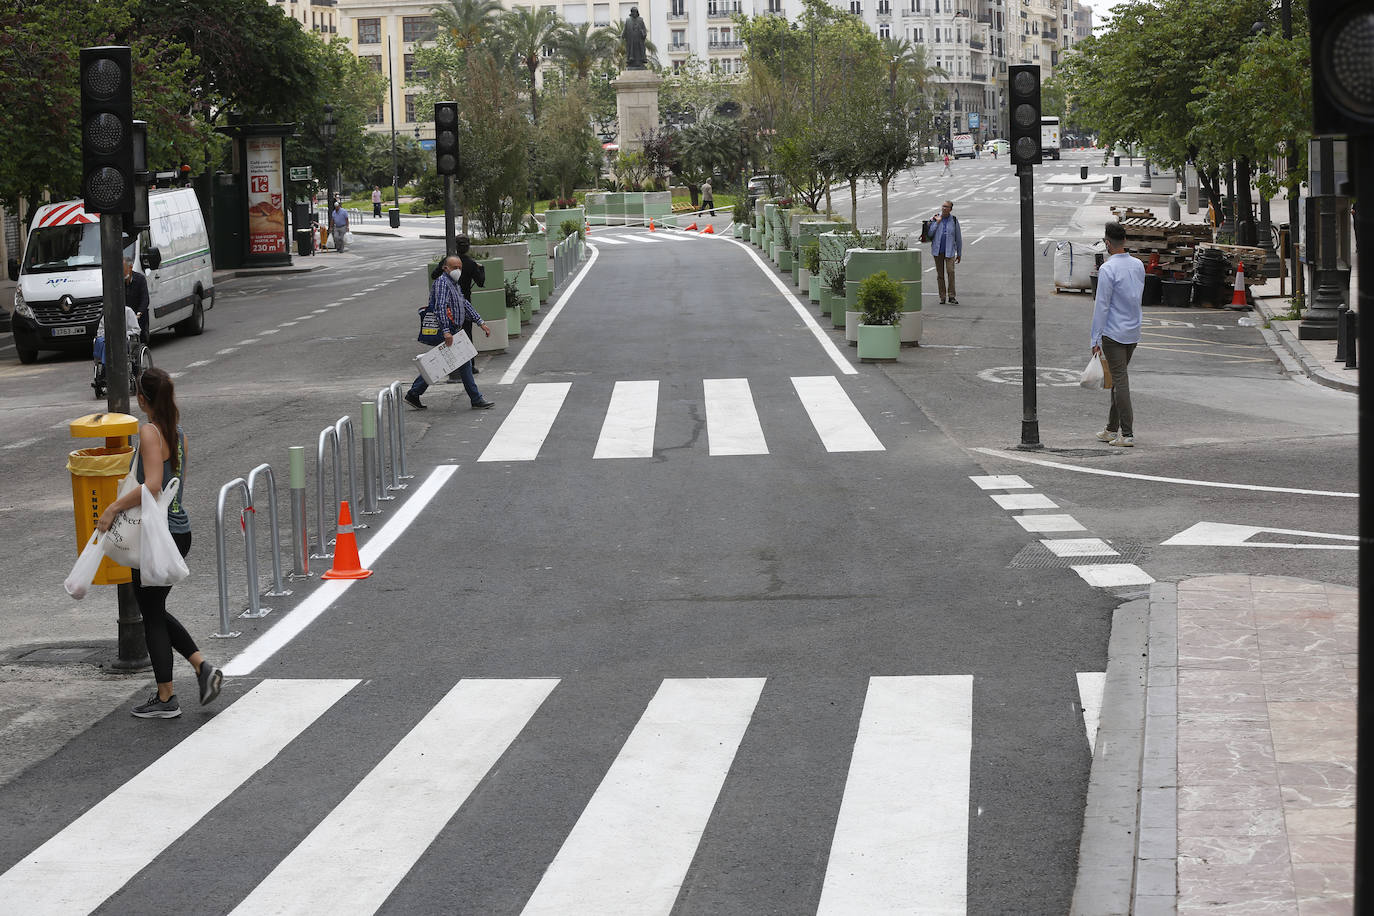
140,358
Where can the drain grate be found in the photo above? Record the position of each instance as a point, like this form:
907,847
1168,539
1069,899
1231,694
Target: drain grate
1038,556
60,654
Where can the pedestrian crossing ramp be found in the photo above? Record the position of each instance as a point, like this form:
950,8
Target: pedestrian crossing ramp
899,844
730,407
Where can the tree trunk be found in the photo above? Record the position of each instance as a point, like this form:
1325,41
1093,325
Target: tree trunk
883,183
854,202
1231,192
1245,222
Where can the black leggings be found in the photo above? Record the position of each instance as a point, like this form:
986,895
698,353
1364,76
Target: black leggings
161,631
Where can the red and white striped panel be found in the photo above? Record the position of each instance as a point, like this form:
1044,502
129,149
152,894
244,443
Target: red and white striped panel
66,215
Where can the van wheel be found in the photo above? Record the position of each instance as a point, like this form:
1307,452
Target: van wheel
194,325
26,354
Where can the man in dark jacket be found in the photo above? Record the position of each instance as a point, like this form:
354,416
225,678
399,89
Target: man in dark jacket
136,296
472,270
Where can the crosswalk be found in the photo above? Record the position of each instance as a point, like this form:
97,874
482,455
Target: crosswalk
733,425
900,838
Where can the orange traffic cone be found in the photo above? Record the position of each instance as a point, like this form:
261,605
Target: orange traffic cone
588,229
651,225
1238,291
692,227
346,562
709,230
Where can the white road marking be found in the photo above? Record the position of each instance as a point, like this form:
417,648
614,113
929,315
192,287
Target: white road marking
1112,575
1221,534
979,239
1023,501
290,625
632,845
523,433
304,317
513,372
198,363
732,421
75,871
268,331
1091,685
837,421
357,855
1048,523
1000,482
901,839
319,311
226,351
1011,456
1079,547
628,431
24,443
287,324
251,340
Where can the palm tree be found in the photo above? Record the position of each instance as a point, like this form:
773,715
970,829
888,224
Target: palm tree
467,20
529,32
583,47
617,33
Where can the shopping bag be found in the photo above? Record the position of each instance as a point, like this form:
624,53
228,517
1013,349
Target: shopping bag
1094,375
162,562
78,581
438,362
124,540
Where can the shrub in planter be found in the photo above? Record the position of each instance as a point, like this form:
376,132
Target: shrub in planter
742,213
514,299
569,227
811,258
834,279
879,332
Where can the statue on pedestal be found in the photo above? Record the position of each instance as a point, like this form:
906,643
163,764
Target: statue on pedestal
636,34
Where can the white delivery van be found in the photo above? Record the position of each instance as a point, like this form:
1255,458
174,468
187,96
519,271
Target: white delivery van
963,146
58,303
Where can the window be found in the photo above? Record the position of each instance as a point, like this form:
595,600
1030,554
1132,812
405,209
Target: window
679,38
417,28
375,116
915,6
712,8
677,66
921,35
414,74
601,14
884,30
374,61
410,107
369,31
856,7
885,7
678,8
775,6
712,38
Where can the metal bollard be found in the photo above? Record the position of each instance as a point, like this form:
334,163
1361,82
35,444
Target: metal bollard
1352,341
400,415
300,537
369,416
342,425
279,588
385,402
328,435
250,557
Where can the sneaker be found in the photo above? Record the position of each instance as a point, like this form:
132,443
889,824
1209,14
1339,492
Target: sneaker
953,301
414,401
1123,441
1107,435
210,679
158,709
483,405
942,302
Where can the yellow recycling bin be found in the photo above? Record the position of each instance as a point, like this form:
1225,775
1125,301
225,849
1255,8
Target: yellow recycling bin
96,474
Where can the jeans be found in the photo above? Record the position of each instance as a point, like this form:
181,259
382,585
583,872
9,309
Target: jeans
420,386
945,266
1118,358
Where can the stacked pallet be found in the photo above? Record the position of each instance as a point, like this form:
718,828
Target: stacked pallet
1253,258
1174,243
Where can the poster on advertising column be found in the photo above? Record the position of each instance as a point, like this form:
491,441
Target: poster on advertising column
266,216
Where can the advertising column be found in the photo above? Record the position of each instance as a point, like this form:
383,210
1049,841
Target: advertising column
266,205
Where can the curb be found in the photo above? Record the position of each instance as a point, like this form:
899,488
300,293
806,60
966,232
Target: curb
1296,358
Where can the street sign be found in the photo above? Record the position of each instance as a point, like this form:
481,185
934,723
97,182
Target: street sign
300,173
973,118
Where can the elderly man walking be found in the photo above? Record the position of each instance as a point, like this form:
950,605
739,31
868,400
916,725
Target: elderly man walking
947,248
1116,329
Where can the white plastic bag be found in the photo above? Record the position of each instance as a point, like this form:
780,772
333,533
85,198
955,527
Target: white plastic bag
122,539
1093,377
162,562
78,581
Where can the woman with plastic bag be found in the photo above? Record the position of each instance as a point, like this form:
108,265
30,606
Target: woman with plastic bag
159,462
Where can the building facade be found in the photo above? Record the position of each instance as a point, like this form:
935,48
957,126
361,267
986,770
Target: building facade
314,15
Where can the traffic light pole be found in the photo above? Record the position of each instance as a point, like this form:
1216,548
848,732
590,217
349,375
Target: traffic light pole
132,649
1362,170
1030,418
450,228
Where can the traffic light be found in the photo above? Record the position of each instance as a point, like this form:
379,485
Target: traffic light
446,137
107,136
1342,48
1023,81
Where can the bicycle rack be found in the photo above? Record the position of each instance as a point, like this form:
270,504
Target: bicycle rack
400,416
300,537
370,460
279,588
328,435
385,420
250,554
342,425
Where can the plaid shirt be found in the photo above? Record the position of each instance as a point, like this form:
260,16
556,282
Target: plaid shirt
447,301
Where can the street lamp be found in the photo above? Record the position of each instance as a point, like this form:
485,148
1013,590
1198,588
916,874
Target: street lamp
327,130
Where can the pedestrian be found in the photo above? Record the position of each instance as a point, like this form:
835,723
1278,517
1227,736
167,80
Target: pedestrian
947,248
136,296
946,171
161,456
340,230
708,200
1116,329
376,201
446,301
473,271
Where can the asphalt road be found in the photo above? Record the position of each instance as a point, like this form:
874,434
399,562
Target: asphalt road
751,671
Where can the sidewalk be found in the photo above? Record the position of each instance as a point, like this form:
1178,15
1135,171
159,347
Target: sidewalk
1237,795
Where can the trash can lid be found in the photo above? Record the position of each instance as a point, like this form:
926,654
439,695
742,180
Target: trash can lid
101,425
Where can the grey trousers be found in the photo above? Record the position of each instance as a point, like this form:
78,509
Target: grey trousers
1118,359
944,277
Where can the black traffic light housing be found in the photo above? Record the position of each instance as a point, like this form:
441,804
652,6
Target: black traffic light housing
1342,74
1023,87
107,131
446,137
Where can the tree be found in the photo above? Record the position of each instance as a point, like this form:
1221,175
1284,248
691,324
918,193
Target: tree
582,47
354,90
493,134
411,160
529,32
695,92
467,22
567,153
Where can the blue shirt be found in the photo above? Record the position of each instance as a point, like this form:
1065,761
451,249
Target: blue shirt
1120,287
946,239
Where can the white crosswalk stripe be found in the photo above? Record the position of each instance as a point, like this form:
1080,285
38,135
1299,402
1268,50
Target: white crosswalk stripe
732,420
524,432
899,845
837,421
629,428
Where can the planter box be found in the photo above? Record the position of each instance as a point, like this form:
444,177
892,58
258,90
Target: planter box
902,266
553,220
803,278
514,255
756,238
796,272
784,260
911,329
879,342
826,300
545,287
512,322
814,289
851,326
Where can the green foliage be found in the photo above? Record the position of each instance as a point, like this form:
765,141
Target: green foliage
514,298
834,277
742,213
567,153
430,188
880,299
569,227
632,169
811,258
411,160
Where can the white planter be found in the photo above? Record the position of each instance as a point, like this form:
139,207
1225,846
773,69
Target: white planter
911,328
803,279
851,327
498,341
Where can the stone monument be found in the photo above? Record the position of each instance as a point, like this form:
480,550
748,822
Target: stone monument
636,89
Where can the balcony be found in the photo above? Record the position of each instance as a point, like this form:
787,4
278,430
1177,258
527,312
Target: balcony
977,44
672,17
682,47
1051,33
721,10
725,45
978,77
985,18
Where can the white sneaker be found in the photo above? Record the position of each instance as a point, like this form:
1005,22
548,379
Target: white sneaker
1107,435
1123,441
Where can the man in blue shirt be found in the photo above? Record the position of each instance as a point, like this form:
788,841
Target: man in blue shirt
447,302
1116,329
947,247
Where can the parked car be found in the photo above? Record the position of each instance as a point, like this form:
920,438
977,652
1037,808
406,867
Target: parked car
1000,147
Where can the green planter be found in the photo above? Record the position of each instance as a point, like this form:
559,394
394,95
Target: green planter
784,260
512,322
545,287
814,289
796,271
879,342
825,299
531,295
756,238
851,326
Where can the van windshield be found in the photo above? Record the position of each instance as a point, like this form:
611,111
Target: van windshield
60,248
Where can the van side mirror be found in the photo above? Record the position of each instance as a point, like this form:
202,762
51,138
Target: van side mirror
152,259
14,268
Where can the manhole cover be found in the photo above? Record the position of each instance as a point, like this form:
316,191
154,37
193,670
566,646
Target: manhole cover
60,655
1038,556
